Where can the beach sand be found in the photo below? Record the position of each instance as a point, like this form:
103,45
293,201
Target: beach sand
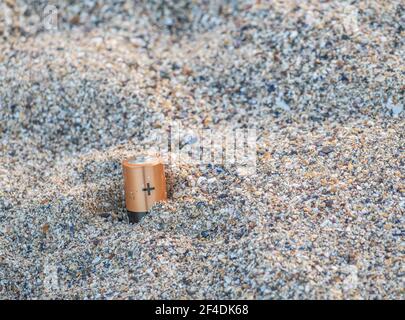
322,216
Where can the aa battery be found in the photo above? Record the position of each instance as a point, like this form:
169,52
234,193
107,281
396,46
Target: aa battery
144,184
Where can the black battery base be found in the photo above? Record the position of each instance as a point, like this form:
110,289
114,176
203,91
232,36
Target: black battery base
135,217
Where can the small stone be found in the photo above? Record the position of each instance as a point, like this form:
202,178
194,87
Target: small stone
271,88
343,78
205,234
201,205
45,228
96,260
326,150
138,42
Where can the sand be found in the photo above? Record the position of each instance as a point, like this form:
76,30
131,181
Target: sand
321,216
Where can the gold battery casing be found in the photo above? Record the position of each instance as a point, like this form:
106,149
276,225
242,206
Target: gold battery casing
144,184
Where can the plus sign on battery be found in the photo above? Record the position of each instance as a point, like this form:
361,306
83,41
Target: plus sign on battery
148,189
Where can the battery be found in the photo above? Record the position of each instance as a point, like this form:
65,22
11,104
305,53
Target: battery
144,184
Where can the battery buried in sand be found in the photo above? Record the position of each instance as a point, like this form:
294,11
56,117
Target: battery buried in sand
144,184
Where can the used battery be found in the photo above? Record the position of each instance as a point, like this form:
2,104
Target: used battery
144,184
